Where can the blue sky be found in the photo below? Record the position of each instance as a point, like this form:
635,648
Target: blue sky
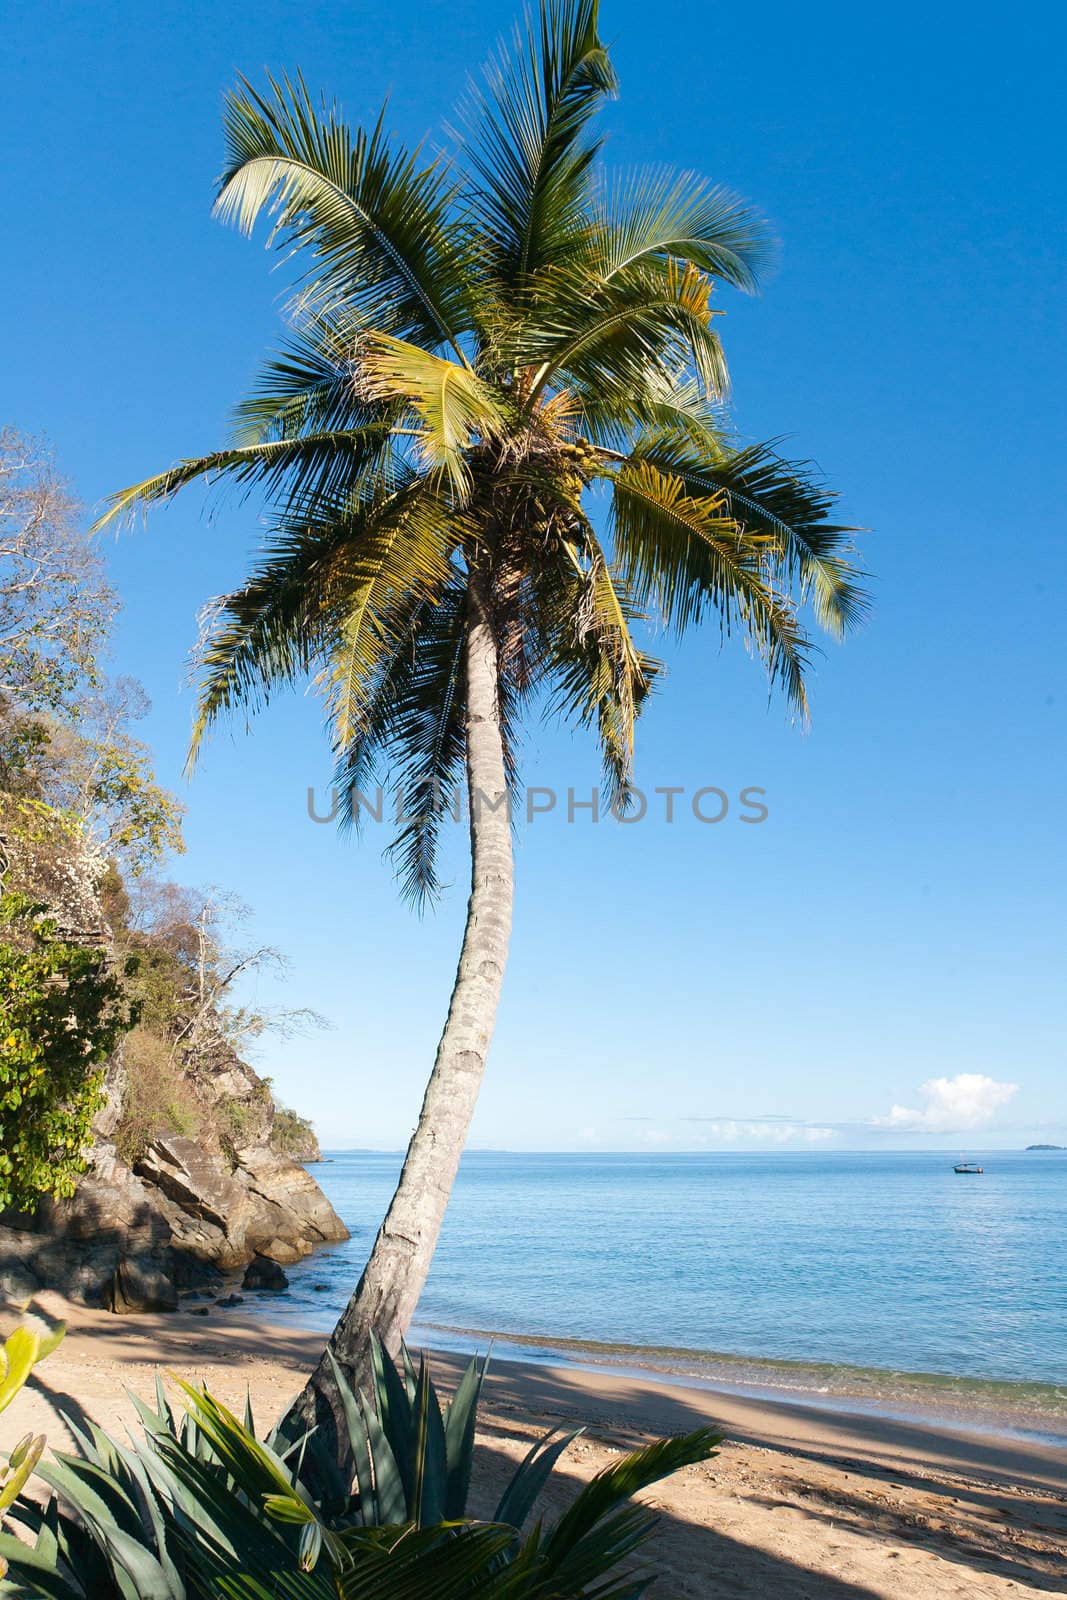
898,919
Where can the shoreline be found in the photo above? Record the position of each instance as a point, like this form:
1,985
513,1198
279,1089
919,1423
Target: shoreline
801,1502
1001,1407
998,1406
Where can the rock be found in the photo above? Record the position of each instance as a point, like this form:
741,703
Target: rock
79,1245
321,1288
195,1241
17,1283
263,1273
268,1205
232,1300
294,1214
192,1272
210,1214
194,1179
109,1116
199,1311
139,1285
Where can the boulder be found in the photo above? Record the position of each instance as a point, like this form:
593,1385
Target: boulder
194,1179
17,1283
293,1215
196,1240
211,1215
263,1273
78,1246
194,1273
267,1205
139,1284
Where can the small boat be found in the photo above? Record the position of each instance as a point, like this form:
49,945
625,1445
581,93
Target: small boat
969,1167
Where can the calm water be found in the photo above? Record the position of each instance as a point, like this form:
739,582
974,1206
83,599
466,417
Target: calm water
861,1261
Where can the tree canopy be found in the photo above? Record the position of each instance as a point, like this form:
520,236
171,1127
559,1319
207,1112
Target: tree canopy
503,365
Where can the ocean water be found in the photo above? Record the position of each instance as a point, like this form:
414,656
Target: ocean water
883,1274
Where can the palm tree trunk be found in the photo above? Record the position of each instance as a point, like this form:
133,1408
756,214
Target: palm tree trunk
388,1291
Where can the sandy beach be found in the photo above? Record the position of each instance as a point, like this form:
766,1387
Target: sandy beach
801,1504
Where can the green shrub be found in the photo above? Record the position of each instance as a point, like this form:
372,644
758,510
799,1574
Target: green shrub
235,1120
204,1509
157,1099
292,1134
62,1012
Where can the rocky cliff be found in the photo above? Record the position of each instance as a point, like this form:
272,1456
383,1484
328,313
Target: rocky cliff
184,1212
190,1168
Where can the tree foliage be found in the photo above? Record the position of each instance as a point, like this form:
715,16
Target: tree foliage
194,1027
66,746
56,605
82,823
481,345
62,1012
293,1135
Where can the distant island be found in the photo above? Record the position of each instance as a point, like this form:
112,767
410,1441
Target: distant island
1047,1147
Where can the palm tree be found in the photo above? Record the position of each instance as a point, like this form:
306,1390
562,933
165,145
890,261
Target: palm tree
480,346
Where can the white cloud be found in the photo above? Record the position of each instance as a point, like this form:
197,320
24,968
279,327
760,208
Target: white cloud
950,1105
769,1132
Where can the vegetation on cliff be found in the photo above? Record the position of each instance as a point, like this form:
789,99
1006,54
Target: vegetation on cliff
64,1012
118,989
293,1135
183,1064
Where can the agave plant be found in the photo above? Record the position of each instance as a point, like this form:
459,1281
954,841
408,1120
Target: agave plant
413,1455
20,1352
203,1507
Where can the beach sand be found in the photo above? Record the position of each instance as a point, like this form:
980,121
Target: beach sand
801,1503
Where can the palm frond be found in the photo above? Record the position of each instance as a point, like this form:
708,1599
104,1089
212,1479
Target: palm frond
401,561
417,1564
644,327
328,580
585,614
413,739
652,216
613,414
453,406
322,461
527,138
783,504
310,386
596,1532
377,223
684,553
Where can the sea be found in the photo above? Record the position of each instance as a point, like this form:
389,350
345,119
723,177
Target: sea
880,1278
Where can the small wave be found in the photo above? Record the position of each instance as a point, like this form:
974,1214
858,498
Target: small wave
986,1403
